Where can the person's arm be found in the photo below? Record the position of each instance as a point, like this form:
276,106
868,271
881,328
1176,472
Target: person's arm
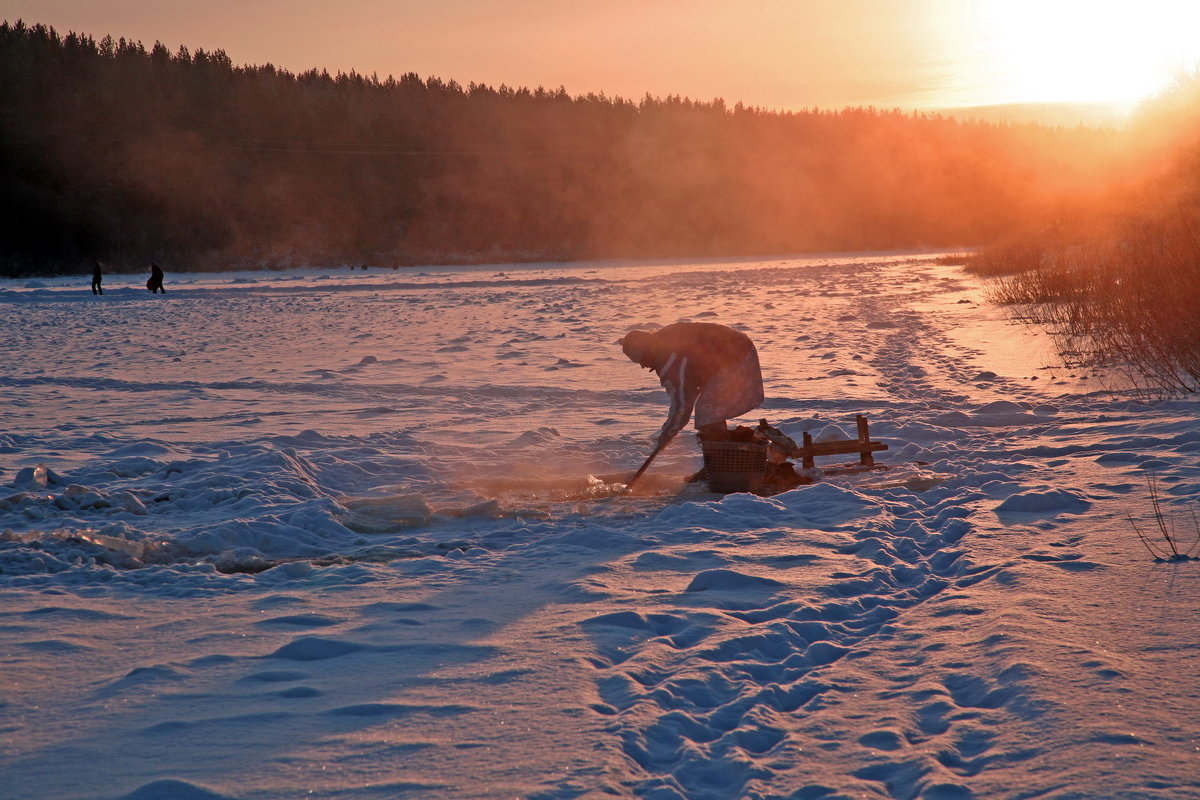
676,378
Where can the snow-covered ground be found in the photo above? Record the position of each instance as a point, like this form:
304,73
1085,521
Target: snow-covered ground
355,534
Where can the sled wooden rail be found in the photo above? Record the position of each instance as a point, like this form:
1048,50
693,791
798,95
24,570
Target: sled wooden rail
862,445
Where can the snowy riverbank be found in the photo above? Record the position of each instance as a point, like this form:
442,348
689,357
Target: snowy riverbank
347,534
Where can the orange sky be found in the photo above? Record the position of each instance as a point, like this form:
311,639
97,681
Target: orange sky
779,54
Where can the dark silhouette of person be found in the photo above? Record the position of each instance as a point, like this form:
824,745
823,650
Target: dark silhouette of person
711,368
97,280
156,279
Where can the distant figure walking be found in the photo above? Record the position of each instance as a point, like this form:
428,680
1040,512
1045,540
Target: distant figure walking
156,279
97,280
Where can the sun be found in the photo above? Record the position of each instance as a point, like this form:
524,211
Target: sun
1080,51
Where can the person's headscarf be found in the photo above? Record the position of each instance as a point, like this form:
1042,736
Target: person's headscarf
639,346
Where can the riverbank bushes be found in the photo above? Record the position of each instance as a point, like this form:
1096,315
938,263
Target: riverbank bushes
1120,287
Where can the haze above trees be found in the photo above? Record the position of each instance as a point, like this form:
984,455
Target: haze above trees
111,150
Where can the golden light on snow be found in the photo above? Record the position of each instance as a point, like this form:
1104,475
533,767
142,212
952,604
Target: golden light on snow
1080,51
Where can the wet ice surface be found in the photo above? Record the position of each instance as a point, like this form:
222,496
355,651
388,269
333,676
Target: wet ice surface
344,533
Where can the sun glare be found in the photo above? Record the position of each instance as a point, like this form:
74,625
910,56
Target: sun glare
1081,51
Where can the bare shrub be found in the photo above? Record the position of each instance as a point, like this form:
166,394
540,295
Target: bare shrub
1131,303
1163,541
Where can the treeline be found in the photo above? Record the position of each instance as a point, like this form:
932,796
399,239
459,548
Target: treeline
113,151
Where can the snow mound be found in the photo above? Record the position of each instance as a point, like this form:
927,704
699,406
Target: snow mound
727,580
171,789
1041,502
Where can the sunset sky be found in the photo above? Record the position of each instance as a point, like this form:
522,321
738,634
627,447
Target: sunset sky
778,54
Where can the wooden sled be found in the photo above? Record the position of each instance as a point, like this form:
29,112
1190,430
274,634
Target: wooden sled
810,450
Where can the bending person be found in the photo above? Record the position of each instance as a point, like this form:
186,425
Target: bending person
703,366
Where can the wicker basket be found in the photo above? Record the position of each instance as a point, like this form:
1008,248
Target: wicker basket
734,466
